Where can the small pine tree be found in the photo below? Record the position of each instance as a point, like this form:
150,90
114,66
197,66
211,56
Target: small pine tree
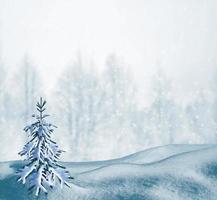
42,155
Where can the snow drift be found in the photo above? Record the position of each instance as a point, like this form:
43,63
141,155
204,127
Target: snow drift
167,172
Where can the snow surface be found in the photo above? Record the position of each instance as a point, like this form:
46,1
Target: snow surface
5,170
166,172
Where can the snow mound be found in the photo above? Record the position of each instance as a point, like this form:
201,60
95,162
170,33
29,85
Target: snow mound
162,152
5,170
173,172
143,157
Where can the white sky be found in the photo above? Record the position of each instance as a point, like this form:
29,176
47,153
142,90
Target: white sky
180,35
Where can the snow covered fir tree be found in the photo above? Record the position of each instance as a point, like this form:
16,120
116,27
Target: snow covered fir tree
42,170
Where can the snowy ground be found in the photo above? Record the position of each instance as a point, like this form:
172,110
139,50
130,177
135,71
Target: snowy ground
167,172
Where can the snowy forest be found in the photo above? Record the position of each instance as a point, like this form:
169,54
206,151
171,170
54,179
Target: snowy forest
102,115
119,76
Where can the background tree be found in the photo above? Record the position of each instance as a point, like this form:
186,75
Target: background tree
120,90
25,80
3,93
163,112
118,108
81,96
201,122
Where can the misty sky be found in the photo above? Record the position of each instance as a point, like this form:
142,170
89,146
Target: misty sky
180,36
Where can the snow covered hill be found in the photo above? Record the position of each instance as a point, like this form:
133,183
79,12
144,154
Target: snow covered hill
166,172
